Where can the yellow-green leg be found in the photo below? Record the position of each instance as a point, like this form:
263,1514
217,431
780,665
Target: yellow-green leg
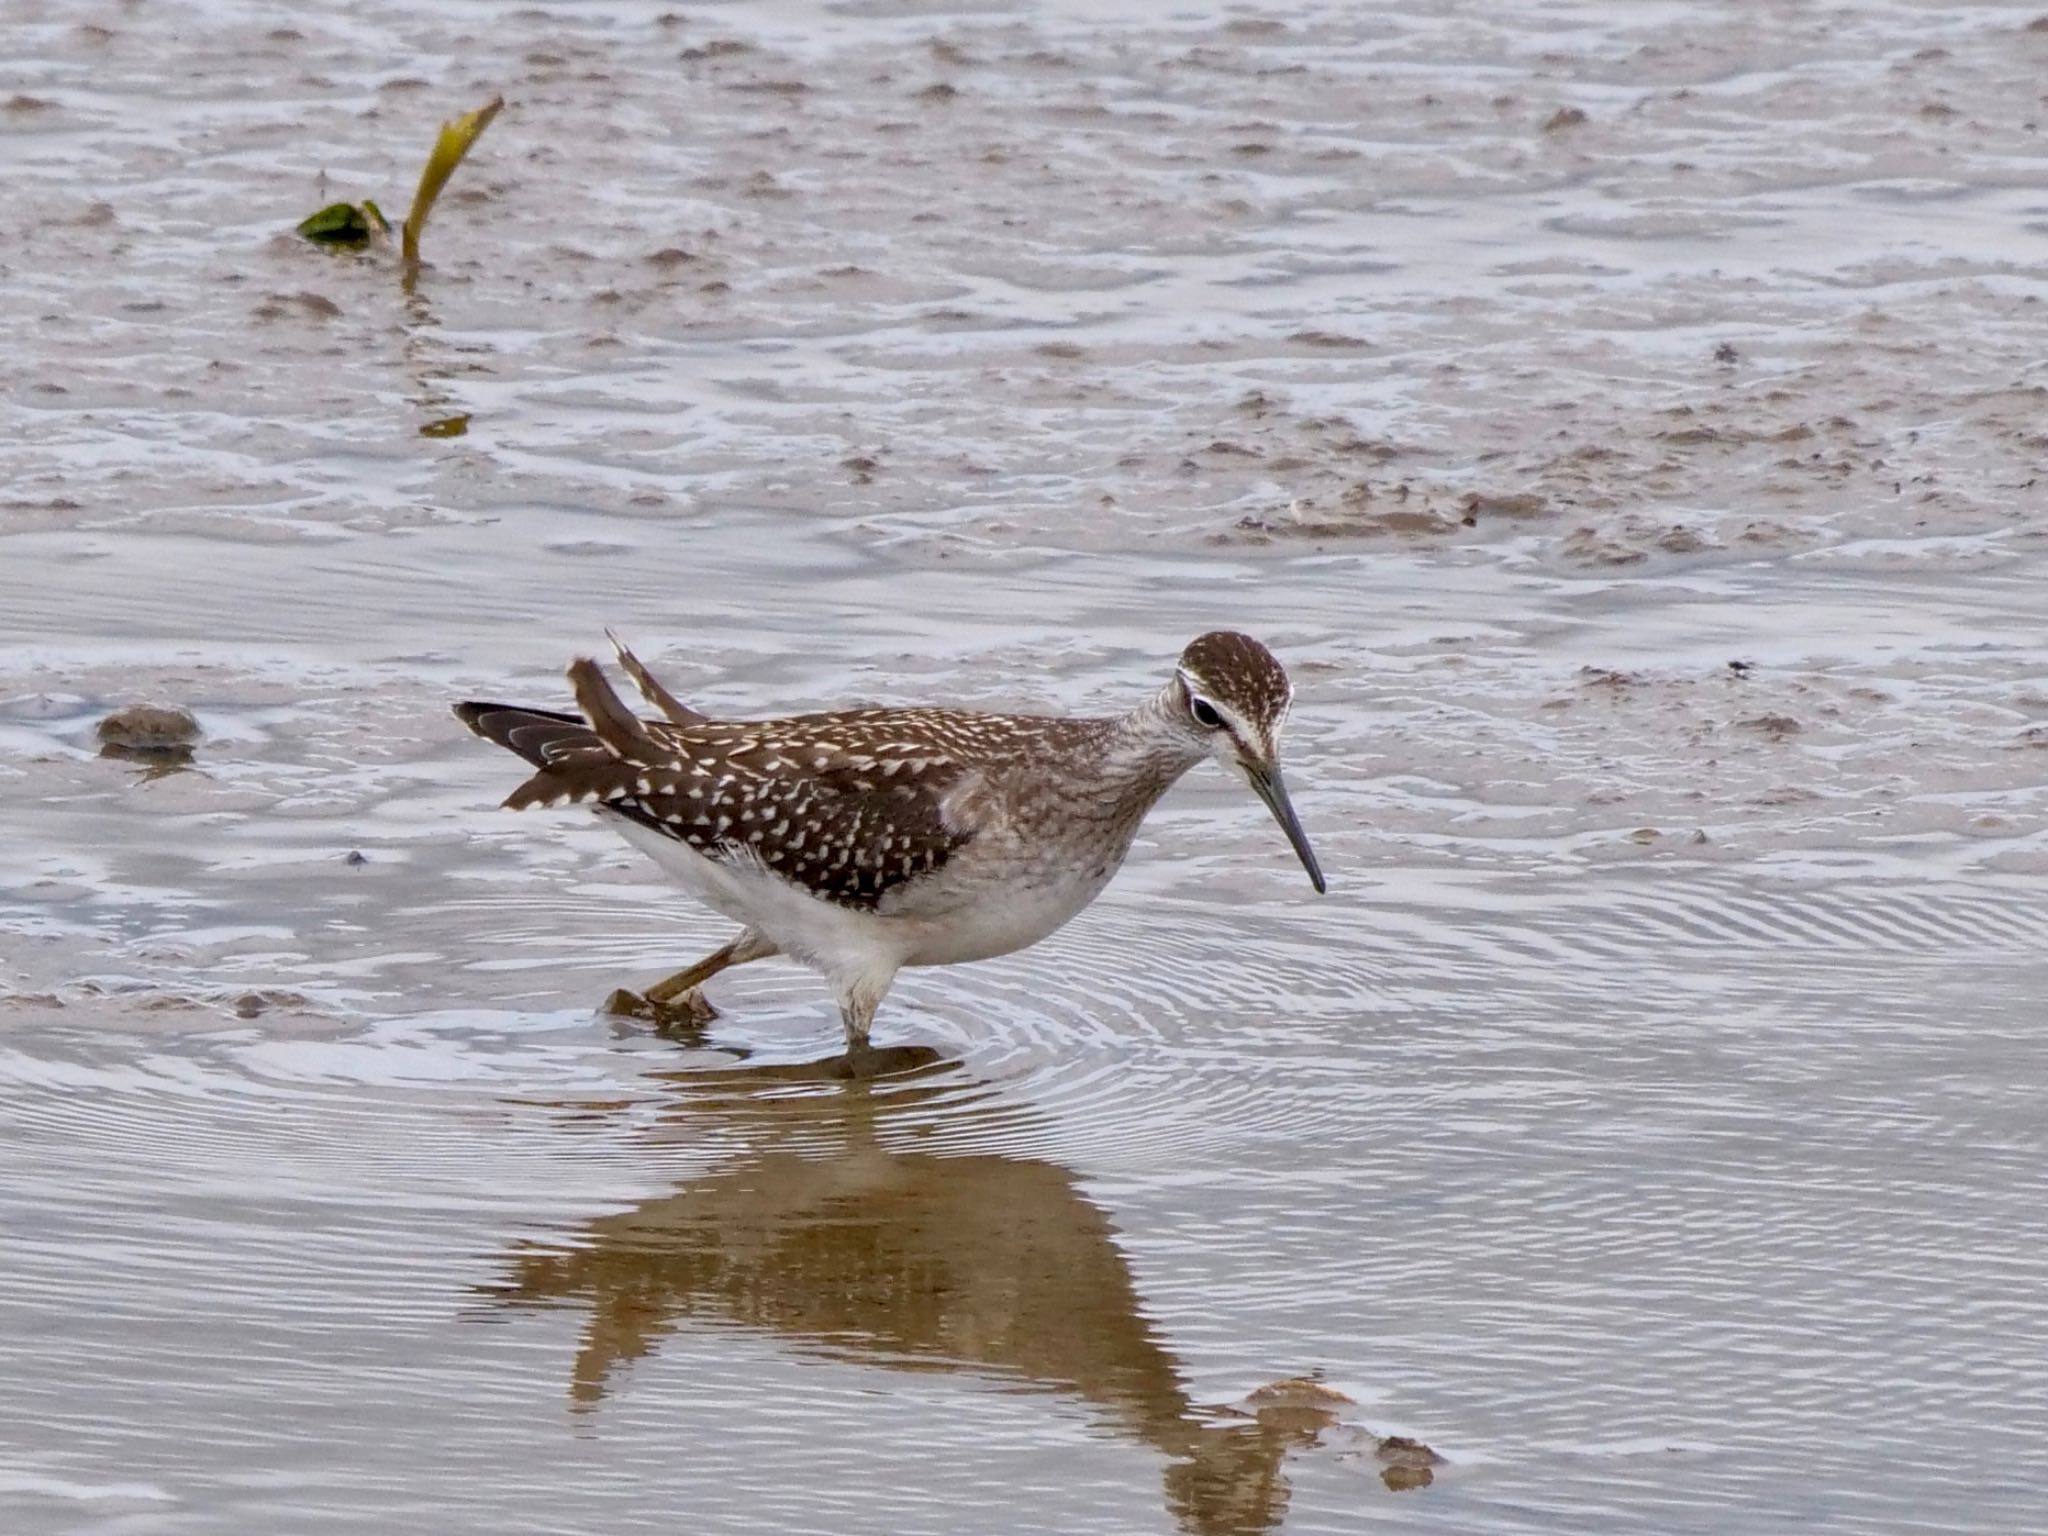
676,1000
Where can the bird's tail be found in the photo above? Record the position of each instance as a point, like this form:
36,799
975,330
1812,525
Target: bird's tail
541,736
650,689
599,755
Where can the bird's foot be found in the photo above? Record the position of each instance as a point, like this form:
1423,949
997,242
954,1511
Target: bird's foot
684,1014
862,1062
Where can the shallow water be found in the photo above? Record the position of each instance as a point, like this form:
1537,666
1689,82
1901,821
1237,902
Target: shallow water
1649,1119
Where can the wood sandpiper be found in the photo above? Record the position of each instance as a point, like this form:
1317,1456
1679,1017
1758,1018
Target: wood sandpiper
863,840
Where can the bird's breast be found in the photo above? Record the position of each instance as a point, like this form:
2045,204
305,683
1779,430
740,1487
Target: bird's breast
994,911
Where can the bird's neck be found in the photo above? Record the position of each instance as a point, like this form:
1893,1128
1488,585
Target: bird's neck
1145,752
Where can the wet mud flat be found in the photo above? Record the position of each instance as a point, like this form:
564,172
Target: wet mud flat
1627,428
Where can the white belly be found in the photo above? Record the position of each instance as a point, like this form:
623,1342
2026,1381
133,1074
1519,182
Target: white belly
996,921
942,923
833,939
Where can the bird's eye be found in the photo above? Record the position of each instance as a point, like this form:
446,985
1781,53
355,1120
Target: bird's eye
1205,713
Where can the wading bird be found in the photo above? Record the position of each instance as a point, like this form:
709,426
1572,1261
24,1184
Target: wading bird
860,841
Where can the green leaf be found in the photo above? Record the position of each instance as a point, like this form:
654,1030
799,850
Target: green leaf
454,141
339,224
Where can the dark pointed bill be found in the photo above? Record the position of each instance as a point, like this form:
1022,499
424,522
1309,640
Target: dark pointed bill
1272,789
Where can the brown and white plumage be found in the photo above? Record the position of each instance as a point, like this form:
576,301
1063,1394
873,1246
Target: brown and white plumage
859,841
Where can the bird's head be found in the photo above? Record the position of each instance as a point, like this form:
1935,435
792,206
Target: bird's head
1230,694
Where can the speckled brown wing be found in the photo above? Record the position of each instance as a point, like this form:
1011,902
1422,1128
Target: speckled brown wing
848,805
834,816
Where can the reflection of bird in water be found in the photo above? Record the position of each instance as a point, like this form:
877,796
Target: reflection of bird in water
909,1261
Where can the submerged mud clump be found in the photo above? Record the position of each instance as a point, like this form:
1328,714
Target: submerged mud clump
1296,1402
1775,727
1362,512
1303,1409
158,734
1407,1464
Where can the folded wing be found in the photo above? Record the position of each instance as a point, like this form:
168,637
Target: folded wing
839,804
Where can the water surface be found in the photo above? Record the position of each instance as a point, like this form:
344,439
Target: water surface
1626,422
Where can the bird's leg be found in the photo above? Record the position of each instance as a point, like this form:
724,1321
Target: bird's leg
672,1002
858,1000
748,946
